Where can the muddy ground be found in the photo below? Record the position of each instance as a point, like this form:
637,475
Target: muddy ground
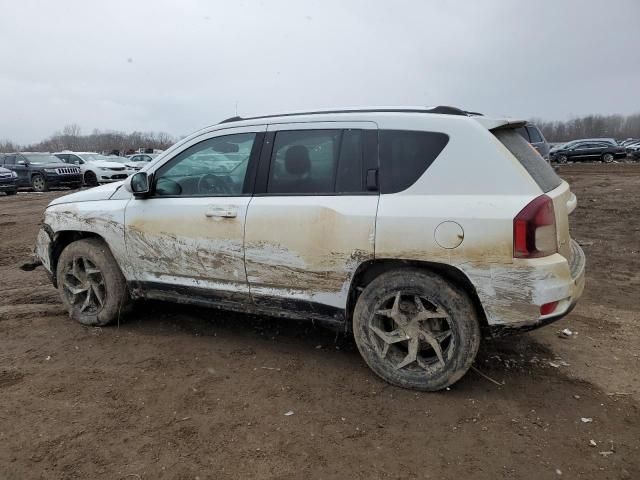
182,393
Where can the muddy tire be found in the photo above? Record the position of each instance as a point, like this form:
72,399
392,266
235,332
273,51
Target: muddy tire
91,284
416,330
39,183
90,179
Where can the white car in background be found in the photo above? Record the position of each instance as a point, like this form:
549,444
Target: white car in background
95,168
139,160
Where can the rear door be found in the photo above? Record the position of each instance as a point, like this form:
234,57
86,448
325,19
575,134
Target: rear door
187,235
311,221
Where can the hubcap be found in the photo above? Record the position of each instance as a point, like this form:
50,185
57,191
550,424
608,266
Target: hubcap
38,183
83,285
406,333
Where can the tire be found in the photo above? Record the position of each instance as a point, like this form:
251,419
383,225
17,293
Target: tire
607,158
562,159
429,371
90,179
11,192
39,183
90,283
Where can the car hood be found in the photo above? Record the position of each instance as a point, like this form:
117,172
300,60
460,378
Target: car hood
50,165
106,164
103,192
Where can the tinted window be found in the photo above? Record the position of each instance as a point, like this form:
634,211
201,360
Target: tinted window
10,160
406,155
304,161
523,131
350,177
534,134
529,158
214,167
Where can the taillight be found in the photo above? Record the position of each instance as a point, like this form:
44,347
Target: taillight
534,230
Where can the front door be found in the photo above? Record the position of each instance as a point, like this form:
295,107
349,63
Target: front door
311,221
187,236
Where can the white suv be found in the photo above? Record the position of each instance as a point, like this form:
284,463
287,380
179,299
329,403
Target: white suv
96,168
416,228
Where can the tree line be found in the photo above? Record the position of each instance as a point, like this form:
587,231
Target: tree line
591,126
71,138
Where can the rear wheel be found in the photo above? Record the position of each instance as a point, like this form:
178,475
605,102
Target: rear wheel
39,183
416,330
562,159
607,158
90,179
91,284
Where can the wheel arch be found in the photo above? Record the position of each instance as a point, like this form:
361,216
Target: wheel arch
60,240
371,269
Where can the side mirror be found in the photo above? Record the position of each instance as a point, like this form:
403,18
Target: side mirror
138,184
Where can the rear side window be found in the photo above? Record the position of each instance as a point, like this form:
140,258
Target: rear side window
529,158
534,134
405,155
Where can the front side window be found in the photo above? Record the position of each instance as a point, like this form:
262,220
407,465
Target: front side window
10,160
304,162
214,167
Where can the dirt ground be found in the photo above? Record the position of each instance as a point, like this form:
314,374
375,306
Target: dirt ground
176,393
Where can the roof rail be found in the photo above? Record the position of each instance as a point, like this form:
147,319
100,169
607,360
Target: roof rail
441,109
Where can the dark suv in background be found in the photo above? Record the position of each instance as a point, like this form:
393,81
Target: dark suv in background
41,171
533,135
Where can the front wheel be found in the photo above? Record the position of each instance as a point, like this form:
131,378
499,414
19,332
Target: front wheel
607,158
39,183
91,284
562,159
90,179
416,330
11,192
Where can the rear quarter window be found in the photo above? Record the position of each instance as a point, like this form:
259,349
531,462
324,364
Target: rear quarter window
541,172
405,155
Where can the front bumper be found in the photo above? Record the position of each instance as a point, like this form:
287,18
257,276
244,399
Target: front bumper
8,186
64,180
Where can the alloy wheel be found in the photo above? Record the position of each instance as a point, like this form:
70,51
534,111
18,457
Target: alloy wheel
84,285
410,332
38,183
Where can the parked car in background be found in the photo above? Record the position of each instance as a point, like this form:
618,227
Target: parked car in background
379,221
138,160
632,147
41,171
8,181
533,135
96,168
605,149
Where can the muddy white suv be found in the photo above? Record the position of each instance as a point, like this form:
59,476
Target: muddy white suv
417,228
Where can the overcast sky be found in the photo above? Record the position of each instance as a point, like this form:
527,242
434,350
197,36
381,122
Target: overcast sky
177,66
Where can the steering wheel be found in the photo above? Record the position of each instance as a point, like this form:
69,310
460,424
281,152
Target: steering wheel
213,184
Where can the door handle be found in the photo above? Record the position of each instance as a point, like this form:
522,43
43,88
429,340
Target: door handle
224,212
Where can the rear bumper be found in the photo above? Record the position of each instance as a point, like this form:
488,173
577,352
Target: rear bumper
512,295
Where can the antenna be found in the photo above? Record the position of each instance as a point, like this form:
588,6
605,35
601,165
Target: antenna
236,108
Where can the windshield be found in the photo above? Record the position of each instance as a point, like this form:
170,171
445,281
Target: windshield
42,158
